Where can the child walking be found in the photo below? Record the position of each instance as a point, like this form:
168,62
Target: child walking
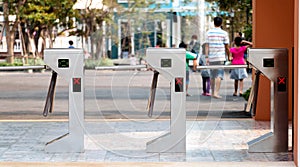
237,57
205,74
188,56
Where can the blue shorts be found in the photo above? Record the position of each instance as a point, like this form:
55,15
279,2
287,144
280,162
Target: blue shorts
217,73
238,73
187,77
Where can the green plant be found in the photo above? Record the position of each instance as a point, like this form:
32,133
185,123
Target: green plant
246,94
91,63
248,32
37,61
31,62
9,64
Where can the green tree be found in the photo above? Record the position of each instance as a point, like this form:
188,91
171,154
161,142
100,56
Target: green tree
42,17
11,8
94,19
35,15
238,12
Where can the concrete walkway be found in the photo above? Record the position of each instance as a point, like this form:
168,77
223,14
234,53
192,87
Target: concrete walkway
149,164
117,127
210,142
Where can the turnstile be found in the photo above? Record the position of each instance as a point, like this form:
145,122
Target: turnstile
171,63
68,63
273,63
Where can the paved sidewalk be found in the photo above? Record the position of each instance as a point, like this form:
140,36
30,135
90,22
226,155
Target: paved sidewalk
149,164
117,127
125,141
109,95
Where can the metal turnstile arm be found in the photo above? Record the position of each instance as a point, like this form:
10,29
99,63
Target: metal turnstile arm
152,94
253,93
50,96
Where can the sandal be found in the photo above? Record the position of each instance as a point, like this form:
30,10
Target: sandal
217,97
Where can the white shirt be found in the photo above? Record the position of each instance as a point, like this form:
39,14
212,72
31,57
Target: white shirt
216,39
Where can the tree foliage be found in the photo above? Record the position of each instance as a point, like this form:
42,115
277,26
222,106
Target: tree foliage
36,18
92,18
34,15
238,12
49,14
11,7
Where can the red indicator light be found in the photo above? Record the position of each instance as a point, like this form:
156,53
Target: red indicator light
179,81
76,84
281,80
179,85
76,81
281,84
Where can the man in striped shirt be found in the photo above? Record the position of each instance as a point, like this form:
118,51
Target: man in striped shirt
217,46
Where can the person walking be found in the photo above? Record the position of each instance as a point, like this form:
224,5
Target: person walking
237,57
194,45
188,56
71,44
204,74
216,48
125,47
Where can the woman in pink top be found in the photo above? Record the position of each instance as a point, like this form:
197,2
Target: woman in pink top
237,57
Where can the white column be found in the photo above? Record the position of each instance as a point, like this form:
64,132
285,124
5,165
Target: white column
132,43
119,38
155,32
103,40
177,32
167,31
201,22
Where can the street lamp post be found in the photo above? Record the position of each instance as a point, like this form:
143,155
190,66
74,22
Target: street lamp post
232,26
171,28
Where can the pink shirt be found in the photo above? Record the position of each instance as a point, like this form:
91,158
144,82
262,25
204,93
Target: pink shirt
238,55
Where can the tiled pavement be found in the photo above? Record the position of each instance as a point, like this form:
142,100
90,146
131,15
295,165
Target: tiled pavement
212,140
125,141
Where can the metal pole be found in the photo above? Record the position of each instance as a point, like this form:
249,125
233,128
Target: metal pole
16,68
152,94
121,67
50,96
222,67
145,66
171,28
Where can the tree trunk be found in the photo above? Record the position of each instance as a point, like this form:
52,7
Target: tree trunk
10,47
99,47
23,46
92,39
50,37
86,43
9,37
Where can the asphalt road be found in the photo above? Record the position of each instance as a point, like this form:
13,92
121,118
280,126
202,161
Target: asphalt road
112,95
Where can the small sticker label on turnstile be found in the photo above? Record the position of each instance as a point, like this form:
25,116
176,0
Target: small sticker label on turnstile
179,85
63,63
76,84
166,63
268,62
281,83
